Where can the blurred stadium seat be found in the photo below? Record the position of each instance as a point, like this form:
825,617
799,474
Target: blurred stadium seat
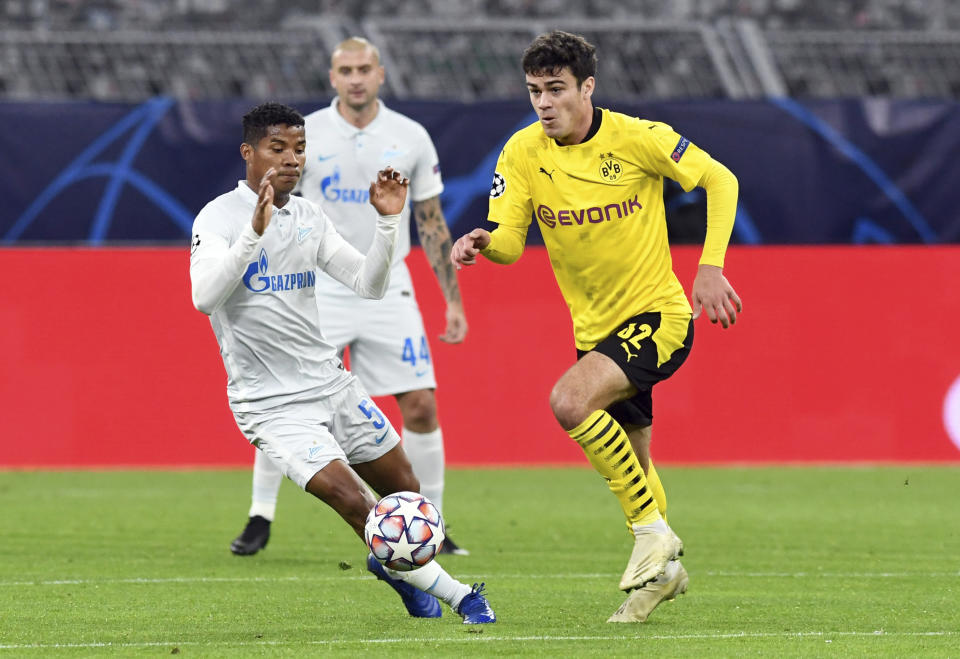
902,64
129,50
480,60
133,65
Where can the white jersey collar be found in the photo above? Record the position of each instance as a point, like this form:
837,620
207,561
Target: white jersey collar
251,197
246,193
348,129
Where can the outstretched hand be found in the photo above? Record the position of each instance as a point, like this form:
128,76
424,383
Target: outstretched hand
264,208
388,193
467,247
714,294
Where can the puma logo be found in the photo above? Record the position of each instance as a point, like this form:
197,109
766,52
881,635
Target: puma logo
549,174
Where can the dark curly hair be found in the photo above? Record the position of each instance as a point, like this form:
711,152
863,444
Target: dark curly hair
550,52
256,122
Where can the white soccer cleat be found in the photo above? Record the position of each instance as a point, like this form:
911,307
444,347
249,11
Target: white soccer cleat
641,602
654,546
678,541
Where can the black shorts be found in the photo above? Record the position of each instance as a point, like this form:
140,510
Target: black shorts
648,348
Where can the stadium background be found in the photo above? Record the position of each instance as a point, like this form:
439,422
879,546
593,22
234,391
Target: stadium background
120,119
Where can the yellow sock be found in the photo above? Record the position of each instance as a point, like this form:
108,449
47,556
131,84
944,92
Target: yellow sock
609,451
656,488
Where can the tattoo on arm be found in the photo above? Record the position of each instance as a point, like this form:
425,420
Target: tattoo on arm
436,242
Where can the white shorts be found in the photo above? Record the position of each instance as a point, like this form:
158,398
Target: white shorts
303,437
388,346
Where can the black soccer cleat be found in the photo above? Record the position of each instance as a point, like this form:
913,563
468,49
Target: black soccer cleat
254,537
450,547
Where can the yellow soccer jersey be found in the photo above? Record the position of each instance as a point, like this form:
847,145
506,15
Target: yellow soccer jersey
599,205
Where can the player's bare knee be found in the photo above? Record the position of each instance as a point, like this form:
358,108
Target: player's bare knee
567,408
350,502
422,418
419,410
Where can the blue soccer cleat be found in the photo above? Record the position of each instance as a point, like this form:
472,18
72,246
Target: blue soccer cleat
475,609
419,604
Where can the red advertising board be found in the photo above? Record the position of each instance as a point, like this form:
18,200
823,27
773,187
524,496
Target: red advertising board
841,354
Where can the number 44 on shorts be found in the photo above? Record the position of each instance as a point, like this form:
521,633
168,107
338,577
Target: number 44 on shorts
410,355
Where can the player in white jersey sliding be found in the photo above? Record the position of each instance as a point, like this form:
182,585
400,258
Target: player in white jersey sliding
287,388
347,143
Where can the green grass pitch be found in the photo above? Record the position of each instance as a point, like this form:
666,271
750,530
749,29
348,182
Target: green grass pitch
785,561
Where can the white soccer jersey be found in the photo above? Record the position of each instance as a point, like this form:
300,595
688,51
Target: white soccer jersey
342,160
259,293
389,351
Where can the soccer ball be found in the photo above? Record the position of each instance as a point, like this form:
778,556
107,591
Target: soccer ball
404,531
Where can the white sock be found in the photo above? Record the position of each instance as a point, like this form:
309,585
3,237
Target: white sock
433,579
266,484
660,526
425,450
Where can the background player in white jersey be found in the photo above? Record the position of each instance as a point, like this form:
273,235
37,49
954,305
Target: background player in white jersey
288,390
348,141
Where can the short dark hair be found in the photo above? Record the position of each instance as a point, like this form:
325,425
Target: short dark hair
550,52
256,122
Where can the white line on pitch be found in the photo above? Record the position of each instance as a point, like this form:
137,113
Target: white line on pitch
476,638
342,577
832,575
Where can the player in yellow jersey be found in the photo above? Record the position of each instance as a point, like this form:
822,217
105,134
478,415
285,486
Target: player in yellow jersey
593,179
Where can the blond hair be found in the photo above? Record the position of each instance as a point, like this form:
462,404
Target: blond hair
355,43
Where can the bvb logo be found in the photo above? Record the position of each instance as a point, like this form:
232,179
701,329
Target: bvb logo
610,168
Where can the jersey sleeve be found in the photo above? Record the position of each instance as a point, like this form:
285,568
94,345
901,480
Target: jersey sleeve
722,187
217,259
506,244
511,202
366,274
425,181
663,151
329,241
